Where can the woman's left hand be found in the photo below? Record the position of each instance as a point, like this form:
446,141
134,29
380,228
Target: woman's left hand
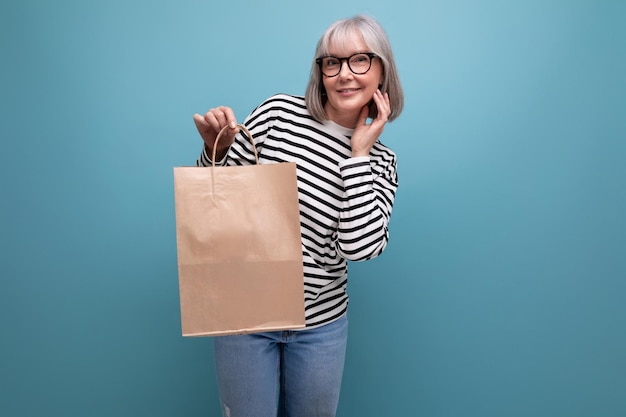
365,135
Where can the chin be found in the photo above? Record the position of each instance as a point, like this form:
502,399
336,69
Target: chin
350,104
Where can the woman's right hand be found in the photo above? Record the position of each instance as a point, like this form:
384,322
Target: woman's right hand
211,123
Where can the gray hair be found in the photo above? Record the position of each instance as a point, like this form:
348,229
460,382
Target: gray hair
375,37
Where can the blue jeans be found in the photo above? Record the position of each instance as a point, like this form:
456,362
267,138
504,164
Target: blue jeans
286,373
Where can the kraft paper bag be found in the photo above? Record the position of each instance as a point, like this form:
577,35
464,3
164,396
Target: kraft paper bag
239,248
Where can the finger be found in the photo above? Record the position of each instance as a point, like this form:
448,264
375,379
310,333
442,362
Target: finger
211,121
200,121
221,117
382,104
365,110
230,118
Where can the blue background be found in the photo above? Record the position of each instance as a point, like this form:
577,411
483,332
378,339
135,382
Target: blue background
502,290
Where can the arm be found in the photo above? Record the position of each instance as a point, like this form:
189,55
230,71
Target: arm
369,190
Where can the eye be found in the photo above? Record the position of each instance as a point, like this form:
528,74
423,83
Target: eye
360,59
331,61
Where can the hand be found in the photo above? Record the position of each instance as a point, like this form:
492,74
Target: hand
365,135
211,123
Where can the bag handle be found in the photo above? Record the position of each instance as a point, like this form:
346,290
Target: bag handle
242,127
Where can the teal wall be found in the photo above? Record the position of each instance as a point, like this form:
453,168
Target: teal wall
501,293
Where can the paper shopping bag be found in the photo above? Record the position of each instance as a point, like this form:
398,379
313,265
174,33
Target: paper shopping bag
239,248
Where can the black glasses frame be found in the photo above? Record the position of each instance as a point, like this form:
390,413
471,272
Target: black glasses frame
320,61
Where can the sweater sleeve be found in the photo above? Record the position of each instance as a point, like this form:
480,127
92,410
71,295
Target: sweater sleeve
204,160
369,192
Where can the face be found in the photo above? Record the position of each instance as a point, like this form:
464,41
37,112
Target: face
348,92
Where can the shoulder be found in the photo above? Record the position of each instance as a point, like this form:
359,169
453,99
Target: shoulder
285,101
284,106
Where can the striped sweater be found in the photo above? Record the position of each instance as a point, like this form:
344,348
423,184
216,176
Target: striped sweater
345,202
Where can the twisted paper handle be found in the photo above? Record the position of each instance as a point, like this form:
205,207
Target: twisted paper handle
247,132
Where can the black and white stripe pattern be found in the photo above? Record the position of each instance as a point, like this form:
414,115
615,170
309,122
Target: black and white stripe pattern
345,202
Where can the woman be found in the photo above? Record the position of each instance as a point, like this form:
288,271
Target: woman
347,182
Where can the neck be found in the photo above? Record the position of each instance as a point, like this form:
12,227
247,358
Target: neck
348,120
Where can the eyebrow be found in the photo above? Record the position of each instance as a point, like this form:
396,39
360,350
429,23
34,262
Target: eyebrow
346,56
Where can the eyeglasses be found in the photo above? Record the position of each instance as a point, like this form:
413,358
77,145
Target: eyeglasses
358,63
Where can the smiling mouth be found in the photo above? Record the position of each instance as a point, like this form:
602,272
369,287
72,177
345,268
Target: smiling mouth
348,90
